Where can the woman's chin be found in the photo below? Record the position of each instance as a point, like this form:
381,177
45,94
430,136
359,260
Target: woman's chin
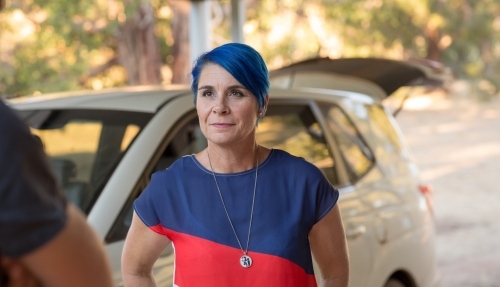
226,141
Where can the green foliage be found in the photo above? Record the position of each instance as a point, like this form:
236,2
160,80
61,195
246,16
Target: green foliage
67,40
462,34
51,45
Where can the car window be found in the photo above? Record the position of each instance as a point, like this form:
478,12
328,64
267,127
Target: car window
383,129
84,146
186,138
294,128
386,141
356,154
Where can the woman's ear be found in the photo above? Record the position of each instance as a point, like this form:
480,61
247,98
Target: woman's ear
266,103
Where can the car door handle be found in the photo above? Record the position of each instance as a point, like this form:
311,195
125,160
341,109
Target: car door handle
353,233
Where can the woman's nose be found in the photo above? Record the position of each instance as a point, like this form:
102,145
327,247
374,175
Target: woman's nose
220,106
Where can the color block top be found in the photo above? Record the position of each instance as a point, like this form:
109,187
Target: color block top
182,203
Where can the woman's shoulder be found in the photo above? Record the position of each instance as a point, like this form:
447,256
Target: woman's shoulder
290,161
180,166
284,156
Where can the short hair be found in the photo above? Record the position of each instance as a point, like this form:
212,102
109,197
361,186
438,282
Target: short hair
243,62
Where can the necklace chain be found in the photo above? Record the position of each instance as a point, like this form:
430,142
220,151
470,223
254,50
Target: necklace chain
253,201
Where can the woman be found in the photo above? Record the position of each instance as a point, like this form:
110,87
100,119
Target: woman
238,214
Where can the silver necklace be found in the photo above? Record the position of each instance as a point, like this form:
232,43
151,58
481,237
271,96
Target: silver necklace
245,260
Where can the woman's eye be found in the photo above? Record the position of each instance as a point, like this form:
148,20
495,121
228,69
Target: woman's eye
207,94
236,94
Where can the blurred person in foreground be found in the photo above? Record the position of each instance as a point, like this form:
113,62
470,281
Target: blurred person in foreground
44,240
237,213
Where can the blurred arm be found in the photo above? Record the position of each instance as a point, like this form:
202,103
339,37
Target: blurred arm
142,247
329,248
74,257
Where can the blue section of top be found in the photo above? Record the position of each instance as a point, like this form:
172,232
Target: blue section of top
291,196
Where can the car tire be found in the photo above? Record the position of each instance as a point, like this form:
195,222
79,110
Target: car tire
394,283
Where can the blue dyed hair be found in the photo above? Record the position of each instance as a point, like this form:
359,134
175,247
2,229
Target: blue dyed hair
242,62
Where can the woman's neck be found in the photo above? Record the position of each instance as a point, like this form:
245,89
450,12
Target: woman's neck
230,160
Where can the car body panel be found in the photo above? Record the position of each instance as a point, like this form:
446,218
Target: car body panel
126,99
388,74
131,167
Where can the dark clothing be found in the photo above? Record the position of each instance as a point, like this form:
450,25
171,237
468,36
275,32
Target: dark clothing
32,208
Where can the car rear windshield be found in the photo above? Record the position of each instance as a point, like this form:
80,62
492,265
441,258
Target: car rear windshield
84,146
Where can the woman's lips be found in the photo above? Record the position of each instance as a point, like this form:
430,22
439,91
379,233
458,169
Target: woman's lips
221,125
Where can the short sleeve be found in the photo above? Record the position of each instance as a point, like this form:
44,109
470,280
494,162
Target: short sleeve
32,207
326,198
145,204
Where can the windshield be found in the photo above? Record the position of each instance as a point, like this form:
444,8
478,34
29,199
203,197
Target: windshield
84,146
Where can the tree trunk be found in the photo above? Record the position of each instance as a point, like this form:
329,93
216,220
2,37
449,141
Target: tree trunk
181,65
488,59
138,48
432,36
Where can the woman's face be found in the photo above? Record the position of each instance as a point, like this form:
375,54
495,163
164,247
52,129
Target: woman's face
227,111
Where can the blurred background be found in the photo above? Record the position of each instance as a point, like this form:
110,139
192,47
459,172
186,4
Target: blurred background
49,46
454,132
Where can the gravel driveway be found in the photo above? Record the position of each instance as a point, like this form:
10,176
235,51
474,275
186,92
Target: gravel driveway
456,143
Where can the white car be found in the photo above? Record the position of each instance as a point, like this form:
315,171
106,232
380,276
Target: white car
105,145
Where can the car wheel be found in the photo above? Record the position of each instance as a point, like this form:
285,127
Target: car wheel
394,283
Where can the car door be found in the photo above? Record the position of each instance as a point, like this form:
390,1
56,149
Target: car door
384,186
397,206
299,128
356,160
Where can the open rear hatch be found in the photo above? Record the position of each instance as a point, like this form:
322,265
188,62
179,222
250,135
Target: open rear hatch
389,75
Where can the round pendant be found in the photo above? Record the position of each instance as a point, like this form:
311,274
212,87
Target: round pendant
245,261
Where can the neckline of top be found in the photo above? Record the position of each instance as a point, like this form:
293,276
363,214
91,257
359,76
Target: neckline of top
252,170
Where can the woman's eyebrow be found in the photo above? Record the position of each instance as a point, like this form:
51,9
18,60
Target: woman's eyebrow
237,87
229,88
205,87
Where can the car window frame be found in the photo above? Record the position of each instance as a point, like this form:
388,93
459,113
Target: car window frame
342,159
115,232
38,118
330,142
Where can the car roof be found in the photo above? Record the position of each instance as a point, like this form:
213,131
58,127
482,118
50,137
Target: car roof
134,98
151,98
388,74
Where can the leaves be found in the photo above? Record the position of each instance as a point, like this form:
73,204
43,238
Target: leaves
52,46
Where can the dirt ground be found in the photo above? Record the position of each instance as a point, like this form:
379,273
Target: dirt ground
456,143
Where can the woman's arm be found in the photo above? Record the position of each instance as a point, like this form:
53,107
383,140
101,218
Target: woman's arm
142,247
329,248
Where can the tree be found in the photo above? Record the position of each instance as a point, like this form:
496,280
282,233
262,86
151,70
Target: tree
460,33
180,49
73,44
67,45
137,47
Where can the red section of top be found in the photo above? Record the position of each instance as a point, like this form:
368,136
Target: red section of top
200,262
